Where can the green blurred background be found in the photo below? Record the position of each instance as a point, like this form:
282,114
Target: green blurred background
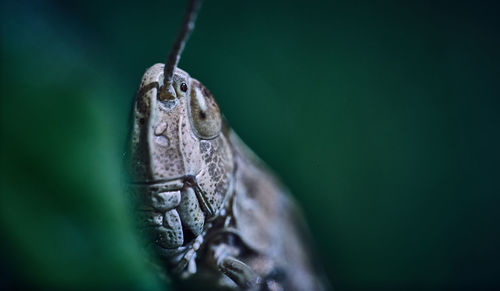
382,117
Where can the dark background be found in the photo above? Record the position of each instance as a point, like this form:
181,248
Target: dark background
382,117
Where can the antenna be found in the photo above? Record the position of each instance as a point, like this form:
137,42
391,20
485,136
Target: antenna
178,46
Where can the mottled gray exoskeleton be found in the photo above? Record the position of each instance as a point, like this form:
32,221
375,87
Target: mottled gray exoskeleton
218,218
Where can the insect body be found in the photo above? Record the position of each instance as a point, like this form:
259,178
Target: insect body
215,215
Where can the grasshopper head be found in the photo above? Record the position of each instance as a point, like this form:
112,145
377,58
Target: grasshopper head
176,134
178,157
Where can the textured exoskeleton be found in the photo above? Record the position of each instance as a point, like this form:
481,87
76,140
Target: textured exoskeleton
185,169
216,216
210,203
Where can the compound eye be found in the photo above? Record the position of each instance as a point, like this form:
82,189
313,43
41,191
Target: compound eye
205,114
184,87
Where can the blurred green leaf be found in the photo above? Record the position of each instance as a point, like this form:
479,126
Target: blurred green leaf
64,218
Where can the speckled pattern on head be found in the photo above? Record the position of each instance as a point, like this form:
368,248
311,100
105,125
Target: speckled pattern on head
165,146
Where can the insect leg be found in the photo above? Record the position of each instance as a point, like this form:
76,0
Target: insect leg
239,272
242,274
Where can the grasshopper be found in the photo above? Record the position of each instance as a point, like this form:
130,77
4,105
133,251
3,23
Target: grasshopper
216,216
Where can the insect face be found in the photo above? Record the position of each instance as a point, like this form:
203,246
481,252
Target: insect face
176,140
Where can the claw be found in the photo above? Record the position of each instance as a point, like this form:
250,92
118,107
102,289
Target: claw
239,272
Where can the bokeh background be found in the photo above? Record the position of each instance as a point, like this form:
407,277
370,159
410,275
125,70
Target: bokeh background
382,117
